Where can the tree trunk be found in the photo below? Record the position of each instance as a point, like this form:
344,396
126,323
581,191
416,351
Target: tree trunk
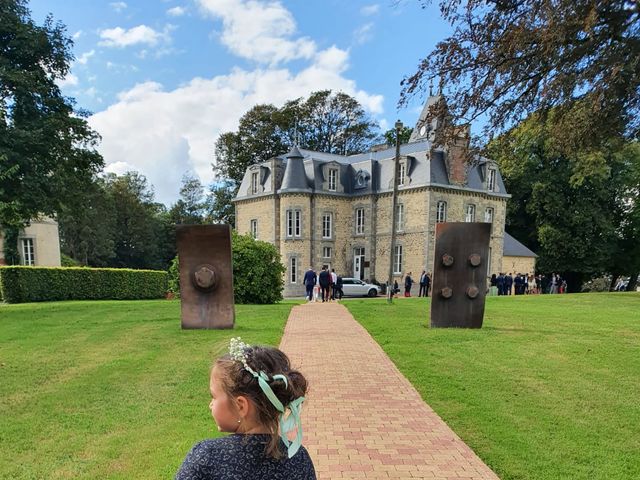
614,279
633,282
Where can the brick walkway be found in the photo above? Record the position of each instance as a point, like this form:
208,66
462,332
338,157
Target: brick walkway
362,418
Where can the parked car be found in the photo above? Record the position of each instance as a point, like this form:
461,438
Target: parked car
354,287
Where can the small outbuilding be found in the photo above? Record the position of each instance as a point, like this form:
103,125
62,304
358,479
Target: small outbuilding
516,258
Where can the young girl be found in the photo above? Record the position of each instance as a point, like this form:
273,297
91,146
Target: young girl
251,390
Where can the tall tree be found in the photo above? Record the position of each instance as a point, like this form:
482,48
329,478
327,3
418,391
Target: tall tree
190,207
46,148
219,206
325,121
136,221
87,226
508,59
567,208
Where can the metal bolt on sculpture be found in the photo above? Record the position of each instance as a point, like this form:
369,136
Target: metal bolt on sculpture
206,276
460,274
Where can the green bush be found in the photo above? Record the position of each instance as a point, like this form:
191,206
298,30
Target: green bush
40,284
174,277
257,271
67,261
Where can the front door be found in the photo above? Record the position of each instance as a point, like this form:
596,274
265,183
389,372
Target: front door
358,263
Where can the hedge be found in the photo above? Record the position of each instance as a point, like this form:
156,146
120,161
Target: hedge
40,284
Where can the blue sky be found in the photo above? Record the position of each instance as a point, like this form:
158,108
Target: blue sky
163,78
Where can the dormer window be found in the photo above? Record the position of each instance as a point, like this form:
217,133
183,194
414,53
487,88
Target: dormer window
491,179
255,181
333,180
402,174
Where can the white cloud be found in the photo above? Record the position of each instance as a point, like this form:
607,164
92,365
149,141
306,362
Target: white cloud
163,133
119,37
84,58
119,168
77,35
69,81
176,11
363,34
369,10
118,6
259,30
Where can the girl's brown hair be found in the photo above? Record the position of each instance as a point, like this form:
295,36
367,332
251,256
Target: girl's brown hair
237,381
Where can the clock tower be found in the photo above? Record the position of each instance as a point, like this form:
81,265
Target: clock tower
431,119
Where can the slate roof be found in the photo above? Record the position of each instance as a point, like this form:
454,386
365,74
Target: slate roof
306,174
513,248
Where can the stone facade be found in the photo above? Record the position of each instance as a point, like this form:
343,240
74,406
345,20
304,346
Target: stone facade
323,209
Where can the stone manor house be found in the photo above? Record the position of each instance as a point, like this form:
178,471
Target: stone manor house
325,209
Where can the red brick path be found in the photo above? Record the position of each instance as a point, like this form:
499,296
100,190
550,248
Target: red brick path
362,418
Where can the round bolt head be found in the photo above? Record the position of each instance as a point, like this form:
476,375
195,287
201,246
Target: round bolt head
446,292
472,291
447,260
204,277
475,259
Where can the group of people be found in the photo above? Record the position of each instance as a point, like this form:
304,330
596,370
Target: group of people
326,285
425,285
526,284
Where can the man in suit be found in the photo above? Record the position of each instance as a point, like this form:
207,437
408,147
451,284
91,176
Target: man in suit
309,281
325,283
423,284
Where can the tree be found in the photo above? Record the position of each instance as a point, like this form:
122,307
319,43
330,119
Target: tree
47,149
567,208
325,122
190,208
88,226
137,225
509,58
219,206
405,134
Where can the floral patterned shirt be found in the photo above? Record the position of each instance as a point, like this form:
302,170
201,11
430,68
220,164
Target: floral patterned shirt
242,457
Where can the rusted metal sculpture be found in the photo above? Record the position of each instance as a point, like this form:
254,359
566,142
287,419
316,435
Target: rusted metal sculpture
206,276
460,274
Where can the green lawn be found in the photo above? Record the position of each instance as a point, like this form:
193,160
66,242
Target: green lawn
109,389
549,388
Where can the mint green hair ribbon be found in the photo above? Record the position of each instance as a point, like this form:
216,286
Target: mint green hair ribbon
287,424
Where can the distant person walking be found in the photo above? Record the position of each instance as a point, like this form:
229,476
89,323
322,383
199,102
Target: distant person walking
325,284
493,285
310,280
423,285
408,282
334,284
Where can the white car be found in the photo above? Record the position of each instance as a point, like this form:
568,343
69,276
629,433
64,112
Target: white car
354,287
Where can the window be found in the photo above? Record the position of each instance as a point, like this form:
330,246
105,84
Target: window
491,179
326,252
403,173
254,182
327,225
397,259
28,256
297,223
293,223
399,217
489,264
253,229
441,212
471,213
333,179
359,221
488,215
293,269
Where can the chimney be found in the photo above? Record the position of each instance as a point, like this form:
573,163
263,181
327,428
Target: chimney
457,151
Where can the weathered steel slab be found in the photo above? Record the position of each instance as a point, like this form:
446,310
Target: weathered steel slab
460,274
206,276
